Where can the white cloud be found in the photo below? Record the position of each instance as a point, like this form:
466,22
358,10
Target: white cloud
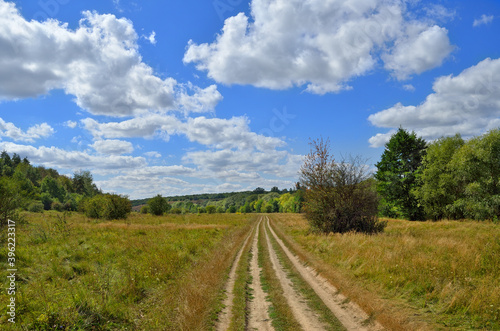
153,154
484,20
468,103
422,48
73,160
152,38
99,63
409,87
317,43
71,124
113,147
38,131
214,132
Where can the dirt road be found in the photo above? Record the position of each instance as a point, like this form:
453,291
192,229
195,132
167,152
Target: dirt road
291,276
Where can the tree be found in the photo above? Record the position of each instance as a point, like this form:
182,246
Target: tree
338,197
158,205
9,200
439,186
397,174
83,183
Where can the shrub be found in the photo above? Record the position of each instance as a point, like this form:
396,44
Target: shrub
211,209
108,206
339,196
158,205
35,207
176,211
144,209
56,205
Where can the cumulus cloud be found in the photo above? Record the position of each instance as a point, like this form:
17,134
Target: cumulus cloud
214,132
71,124
38,131
484,20
320,44
422,48
73,160
99,63
468,103
113,147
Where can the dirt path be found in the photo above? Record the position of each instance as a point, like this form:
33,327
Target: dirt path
306,318
259,306
349,314
226,314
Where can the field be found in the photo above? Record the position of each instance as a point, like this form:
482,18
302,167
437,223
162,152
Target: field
229,271
142,273
416,275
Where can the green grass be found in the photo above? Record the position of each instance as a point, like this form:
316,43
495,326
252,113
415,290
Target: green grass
311,298
446,272
75,273
241,291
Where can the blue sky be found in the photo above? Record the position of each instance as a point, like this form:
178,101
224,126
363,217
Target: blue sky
181,97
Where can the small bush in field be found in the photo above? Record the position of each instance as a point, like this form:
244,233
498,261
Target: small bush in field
211,209
144,209
339,195
158,205
35,207
108,206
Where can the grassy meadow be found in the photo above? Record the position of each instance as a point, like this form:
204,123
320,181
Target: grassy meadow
416,275
143,273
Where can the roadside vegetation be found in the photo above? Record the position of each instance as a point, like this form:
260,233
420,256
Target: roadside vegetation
415,275
144,273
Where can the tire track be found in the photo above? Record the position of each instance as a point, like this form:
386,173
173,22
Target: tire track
349,314
258,306
226,314
302,313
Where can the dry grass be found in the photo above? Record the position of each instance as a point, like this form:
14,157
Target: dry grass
147,273
415,275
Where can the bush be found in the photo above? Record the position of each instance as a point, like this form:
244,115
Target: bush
176,211
211,209
35,207
158,205
144,209
108,206
56,205
339,196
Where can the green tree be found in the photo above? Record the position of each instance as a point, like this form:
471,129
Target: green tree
397,174
439,186
10,199
83,183
158,205
211,209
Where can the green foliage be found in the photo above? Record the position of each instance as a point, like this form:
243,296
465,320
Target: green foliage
211,209
158,205
10,199
35,207
144,209
439,184
338,196
107,206
397,174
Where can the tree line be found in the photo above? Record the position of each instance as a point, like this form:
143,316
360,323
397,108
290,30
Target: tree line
450,178
36,188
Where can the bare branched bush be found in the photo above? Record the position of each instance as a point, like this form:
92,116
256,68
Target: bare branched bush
339,195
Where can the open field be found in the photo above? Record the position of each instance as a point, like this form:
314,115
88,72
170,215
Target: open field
229,271
148,273
416,275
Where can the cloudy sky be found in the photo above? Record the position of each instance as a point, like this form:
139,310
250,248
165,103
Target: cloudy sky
181,97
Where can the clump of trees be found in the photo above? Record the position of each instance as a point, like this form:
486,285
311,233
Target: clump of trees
339,197
36,188
449,178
